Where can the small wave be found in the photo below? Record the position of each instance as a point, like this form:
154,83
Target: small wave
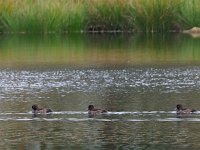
179,119
114,113
142,112
69,112
102,119
85,112
169,119
16,119
15,113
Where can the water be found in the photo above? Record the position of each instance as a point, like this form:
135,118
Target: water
138,79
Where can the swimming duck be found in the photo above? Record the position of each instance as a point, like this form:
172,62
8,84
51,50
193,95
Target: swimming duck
36,109
180,109
94,111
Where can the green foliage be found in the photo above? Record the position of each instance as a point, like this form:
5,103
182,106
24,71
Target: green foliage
190,13
155,15
108,15
58,16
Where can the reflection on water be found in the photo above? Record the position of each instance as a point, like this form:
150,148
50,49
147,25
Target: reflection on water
78,131
138,79
89,50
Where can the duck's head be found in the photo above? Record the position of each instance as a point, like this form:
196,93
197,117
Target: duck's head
35,107
179,106
90,107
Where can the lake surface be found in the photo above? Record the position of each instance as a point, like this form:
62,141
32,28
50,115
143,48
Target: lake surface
139,79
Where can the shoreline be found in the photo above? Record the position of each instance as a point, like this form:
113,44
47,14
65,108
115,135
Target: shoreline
193,31
93,16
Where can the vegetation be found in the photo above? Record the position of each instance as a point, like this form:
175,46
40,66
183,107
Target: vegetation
58,16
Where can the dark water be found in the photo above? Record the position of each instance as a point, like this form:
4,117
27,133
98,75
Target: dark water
138,79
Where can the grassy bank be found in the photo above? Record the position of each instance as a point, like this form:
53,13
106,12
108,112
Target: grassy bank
58,16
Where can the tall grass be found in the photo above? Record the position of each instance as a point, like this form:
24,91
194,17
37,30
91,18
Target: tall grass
58,16
36,16
108,15
190,13
155,15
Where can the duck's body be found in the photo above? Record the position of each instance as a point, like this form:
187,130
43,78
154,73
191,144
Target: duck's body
37,110
181,110
95,111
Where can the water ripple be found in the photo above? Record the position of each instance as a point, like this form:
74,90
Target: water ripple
175,119
108,113
66,81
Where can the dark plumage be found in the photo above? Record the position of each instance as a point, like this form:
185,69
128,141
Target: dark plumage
36,109
94,111
180,109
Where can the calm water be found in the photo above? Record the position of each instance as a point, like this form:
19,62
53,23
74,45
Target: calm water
138,79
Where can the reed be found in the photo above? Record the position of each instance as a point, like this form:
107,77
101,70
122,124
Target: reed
47,16
108,15
190,13
155,15
58,16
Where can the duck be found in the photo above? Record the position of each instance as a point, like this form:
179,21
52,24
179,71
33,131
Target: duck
36,110
94,111
181,110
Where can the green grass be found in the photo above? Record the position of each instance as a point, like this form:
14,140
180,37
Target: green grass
58,16
108,15
155,15
190,13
